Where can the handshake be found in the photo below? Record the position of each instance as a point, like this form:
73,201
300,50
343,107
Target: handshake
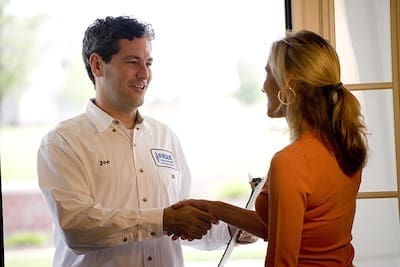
191,219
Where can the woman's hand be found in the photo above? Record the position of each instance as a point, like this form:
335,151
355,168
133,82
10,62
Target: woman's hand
188,219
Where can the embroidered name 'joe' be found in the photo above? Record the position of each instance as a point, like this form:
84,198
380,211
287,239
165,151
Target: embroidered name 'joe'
163,158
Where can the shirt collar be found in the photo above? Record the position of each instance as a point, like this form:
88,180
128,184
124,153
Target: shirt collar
101,119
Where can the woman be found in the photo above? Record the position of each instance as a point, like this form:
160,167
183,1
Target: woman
306,208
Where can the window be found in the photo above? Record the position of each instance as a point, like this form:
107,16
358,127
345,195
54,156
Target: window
365,34
207,77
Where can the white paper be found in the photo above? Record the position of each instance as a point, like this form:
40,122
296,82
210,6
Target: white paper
256,185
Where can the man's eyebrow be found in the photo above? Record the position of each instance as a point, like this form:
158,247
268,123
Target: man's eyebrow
137,58
131,57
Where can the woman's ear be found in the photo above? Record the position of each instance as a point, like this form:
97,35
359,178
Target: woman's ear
96,64
292,84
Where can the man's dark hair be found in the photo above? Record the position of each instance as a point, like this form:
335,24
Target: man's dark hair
102,37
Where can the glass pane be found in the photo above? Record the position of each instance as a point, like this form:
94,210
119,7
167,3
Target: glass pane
376,233
363,48
209,60
380,172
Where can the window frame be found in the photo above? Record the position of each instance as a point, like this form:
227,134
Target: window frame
322,21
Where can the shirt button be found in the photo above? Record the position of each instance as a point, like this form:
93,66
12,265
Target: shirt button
144,199
113,130
137,128
116,122
125,239
173,176
141,170
149,258
152,233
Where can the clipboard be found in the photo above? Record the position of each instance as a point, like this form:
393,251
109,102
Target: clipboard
256,184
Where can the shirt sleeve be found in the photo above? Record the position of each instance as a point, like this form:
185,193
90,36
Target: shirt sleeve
217,237
287,200
83,223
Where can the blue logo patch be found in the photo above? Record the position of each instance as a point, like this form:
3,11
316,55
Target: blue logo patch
163,158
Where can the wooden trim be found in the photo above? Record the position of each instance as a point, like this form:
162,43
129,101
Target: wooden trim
382,194
319,16
328,23
307,15
395,27
315,15
369,86
299,16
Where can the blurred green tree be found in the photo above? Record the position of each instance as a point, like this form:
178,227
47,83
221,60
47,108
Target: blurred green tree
77,88
250,87
17,53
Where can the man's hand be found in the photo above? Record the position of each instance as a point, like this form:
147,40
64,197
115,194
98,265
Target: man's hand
187,222
210,207
200,204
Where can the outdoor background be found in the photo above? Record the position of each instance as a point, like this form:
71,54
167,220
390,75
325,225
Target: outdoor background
209,59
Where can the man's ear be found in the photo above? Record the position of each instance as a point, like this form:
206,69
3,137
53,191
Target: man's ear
96,64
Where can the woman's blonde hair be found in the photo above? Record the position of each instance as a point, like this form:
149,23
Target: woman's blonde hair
308,64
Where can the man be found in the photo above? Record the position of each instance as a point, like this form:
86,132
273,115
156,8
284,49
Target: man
110,175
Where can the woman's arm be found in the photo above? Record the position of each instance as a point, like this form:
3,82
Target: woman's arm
244,219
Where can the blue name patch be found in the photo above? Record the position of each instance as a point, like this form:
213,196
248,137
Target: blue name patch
163,158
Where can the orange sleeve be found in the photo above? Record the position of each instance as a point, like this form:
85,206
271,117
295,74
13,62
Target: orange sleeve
287,201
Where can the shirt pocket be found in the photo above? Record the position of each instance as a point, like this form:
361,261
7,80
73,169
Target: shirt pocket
170,179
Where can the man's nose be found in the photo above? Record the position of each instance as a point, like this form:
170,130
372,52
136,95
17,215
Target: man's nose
143,72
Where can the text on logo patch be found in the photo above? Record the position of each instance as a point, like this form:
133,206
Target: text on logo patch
163,158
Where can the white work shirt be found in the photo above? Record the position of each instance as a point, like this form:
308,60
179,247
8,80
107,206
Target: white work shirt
106,188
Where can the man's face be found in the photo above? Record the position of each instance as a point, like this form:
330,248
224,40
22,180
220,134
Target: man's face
125,79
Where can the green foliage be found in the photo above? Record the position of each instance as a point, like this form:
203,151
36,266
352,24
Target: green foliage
31,262
232,190
250,87
25,239
17,49
18,147
77,87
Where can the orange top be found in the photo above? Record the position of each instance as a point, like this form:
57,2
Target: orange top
308,207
